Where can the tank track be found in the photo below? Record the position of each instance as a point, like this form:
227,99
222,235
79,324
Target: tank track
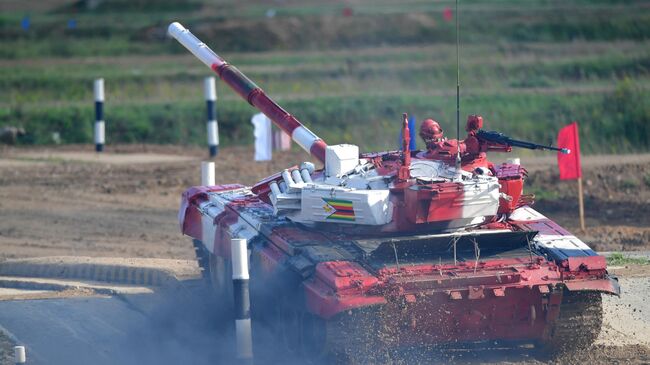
351,339
355,338
577,327
202,258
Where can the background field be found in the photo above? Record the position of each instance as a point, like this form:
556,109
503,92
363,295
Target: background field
527,66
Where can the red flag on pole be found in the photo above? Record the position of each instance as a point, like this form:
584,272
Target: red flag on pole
447,14
569,164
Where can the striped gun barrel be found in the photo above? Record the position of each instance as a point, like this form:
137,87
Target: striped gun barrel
248,90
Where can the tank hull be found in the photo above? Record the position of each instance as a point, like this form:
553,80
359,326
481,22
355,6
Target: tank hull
490,284
473,262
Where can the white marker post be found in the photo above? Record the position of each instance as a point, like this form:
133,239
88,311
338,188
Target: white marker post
20,357
207,173
281,140
263,137
240,278
100,138
213,127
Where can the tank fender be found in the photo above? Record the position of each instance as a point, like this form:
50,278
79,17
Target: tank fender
339,286
576,263
583,271
608,285
189,220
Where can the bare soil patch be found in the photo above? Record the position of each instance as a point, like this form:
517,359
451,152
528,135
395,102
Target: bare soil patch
65,206
114,159
617,200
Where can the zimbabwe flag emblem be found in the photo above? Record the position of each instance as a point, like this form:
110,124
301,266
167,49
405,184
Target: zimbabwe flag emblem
340,209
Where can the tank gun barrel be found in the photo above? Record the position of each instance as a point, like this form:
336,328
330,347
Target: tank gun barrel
249,91
501,139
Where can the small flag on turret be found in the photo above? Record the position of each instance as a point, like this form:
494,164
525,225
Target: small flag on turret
569,164
412,134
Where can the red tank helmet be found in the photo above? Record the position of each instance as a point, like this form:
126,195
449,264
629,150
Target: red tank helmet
430,130
474,123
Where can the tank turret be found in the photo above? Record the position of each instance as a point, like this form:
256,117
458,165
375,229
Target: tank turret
391,190
397,191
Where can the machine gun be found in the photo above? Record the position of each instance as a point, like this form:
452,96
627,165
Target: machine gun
501,139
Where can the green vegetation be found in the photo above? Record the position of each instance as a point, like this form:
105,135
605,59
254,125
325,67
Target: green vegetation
527,67
541,193
629,184
370,120
618,259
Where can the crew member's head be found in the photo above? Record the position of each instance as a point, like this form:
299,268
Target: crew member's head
430,131
474,123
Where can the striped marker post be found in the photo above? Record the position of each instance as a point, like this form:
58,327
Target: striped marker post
240,277
100,137
213,127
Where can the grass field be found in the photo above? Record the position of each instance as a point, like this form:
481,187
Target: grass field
527,67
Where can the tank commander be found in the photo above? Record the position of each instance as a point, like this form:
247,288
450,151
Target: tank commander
472,148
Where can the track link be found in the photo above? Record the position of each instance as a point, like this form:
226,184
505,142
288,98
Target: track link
578,326
202,258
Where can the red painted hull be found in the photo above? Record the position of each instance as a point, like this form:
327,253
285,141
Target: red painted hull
502,300
513,294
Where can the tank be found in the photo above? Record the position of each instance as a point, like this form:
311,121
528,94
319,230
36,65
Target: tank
376,251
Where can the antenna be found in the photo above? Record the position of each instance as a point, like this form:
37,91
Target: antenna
457,92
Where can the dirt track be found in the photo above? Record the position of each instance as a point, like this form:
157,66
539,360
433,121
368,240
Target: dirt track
67,201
